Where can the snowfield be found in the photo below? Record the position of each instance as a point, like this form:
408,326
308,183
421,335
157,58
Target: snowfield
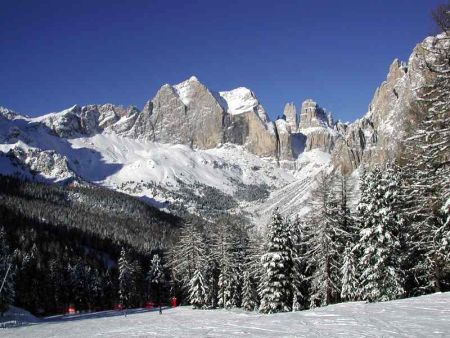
426,316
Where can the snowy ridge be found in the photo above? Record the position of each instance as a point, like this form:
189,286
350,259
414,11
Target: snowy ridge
242,100
184,89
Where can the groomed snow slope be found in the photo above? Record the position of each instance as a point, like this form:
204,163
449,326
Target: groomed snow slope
426,316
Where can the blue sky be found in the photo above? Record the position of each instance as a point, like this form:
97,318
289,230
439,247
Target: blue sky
54,54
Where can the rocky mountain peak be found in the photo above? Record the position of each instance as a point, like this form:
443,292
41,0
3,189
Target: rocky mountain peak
242,100
312,116
7,113
190,89
290,115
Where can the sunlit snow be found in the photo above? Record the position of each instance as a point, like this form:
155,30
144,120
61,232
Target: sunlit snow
426,316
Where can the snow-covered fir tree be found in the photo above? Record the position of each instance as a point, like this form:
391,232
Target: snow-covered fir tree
350,283
6,274
324,241
197,290
126,279
275,289
228,252
249,293
380,222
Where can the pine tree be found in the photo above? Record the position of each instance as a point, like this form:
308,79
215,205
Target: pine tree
275,288
197,290
249,293
380,222
126,279
6,274
350,285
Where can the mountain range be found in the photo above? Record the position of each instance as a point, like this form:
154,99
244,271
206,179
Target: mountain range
190,144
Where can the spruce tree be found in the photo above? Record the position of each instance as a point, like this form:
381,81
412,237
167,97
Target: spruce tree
249,293
197,290
275,288
126,279
380,222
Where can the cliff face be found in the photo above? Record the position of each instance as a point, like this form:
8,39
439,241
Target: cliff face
395,108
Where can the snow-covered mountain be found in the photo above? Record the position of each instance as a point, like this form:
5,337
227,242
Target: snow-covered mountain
190,141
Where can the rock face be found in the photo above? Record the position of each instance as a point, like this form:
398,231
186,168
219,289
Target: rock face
205,116
285,147
188,113
48,163
317,126
312,116
395,107
247,123
290,115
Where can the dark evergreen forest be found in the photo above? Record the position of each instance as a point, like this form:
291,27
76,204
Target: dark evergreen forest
64,243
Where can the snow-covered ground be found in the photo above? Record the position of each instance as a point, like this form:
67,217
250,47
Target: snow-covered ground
426,316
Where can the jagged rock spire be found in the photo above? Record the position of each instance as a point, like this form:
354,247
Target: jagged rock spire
290,114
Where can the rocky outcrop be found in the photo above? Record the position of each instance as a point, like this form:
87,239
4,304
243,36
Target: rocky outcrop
290,115
66,123
317,126
312,116
204,115
322,139
394,110
284,136
247,123
48,163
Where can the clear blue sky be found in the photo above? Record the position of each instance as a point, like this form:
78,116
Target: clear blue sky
54,54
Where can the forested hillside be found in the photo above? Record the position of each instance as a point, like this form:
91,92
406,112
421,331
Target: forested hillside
64,243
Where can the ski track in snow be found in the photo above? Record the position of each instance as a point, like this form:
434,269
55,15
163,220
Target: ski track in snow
426,316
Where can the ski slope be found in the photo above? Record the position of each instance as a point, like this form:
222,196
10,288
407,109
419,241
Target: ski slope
426,316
